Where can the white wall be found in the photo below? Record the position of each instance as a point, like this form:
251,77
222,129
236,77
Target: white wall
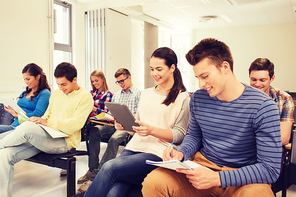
275,42
137,54
24,39
118,46
78,42
150,45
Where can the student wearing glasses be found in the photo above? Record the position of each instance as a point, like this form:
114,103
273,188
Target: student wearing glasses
128,95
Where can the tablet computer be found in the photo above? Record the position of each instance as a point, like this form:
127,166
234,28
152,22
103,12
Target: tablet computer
122,114
12,103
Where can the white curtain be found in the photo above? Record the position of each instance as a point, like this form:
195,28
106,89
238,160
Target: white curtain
94,43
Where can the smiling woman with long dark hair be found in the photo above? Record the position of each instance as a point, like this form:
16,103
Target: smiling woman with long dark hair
163,116
34,100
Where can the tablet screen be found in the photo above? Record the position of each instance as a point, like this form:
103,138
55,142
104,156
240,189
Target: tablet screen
122,115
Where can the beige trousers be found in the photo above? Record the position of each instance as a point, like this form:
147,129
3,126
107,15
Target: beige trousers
164,182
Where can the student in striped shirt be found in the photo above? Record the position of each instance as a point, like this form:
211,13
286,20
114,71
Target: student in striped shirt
234,131
261,73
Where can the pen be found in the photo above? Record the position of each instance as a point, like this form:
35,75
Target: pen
186,166
172,150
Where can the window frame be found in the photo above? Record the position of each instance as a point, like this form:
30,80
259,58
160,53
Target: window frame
65,47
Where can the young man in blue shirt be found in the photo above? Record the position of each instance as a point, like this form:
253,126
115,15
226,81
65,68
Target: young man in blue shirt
234,131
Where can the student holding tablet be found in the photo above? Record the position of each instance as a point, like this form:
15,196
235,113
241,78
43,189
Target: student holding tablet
163,116
129,95
34,100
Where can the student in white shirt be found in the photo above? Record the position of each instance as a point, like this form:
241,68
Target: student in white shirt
163,116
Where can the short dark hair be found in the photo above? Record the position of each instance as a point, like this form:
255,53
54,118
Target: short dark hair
262,64
122,71
67,70
216,51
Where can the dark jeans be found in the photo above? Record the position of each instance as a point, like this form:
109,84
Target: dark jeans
5,128
97,133
118,175
116,139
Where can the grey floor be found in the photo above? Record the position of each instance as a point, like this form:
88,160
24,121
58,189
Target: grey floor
35,180
290,193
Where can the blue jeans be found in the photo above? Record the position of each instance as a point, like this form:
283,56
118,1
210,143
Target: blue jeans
25,141
118,175
97,133
4,128
116,139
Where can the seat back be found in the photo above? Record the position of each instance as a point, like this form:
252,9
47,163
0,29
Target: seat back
85,135
5,117
289,164
293,147
64,161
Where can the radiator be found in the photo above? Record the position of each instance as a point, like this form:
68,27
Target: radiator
94,42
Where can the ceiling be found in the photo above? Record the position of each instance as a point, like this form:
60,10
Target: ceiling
188,14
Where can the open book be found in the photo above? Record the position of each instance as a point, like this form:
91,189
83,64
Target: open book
174,164
102,118
52,132
22,117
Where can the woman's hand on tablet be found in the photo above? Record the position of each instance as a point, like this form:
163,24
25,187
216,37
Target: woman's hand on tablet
144,129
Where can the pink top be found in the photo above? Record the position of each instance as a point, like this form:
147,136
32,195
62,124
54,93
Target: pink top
151,111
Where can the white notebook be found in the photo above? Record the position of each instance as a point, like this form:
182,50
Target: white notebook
53,133
174,164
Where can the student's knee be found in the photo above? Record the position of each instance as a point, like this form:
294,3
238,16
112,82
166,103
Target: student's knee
109,166
7,156
27,128
94,134
24,127
113,167
262,190
114,140
155,182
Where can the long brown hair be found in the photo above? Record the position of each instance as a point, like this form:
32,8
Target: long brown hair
98,73
34,70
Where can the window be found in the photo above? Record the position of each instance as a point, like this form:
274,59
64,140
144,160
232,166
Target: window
62,34
180,43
